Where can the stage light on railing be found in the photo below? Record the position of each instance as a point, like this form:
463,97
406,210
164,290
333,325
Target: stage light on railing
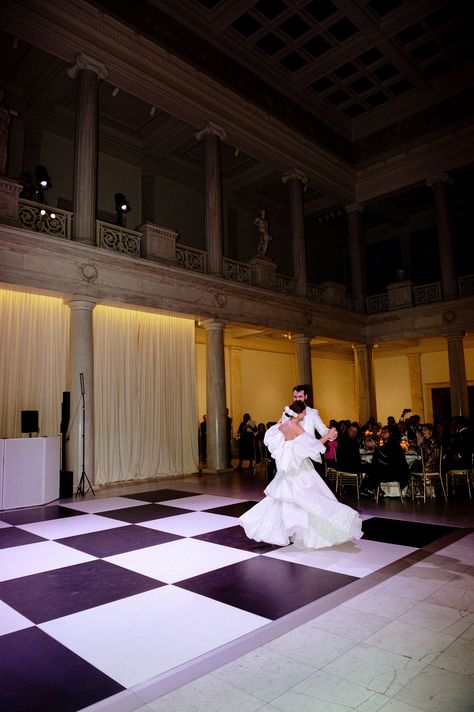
121,206
115,91
42,183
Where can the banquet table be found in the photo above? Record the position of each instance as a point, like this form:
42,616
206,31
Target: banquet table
391,488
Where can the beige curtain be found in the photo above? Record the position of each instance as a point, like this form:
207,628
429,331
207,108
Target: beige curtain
33,359
145,395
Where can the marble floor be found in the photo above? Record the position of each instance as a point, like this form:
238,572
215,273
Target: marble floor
149,597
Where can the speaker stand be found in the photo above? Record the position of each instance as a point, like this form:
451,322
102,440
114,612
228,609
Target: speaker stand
84,480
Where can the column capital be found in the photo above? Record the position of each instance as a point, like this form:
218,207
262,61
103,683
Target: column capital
455,336
295,174
84,61
81,302
439,178
211,129
301,338
213,324
360,348
354,208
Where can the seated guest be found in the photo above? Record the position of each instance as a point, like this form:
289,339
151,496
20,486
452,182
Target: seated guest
428,448
393,427
441,434
388,465
460,449
348,455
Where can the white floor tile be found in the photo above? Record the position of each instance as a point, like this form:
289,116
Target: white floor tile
206,694
3,525
410,640
108,504
377,670
201,501
35,558
342,621
179,560
72,526
458,657
11,620
310,645
264,674
326,687
380,602
437,690
358,560
442,619
142,636
192,523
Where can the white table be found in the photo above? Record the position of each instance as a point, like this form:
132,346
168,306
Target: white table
29,471
390,488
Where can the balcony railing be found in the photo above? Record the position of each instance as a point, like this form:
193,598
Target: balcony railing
284,284
43,218
237,271
192,259
57,222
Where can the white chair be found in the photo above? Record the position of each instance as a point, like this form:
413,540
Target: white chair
347,478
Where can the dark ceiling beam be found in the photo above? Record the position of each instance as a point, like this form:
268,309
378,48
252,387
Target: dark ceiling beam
255,175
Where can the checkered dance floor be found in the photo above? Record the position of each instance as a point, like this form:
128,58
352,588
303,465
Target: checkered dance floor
100,596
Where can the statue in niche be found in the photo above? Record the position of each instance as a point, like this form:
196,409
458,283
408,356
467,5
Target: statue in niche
5,120
261,222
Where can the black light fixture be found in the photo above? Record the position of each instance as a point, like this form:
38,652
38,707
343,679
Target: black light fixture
121,206
42,182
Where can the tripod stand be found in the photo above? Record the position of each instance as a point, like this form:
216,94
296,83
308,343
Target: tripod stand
81,487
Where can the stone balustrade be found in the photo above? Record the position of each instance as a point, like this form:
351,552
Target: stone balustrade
43,218
117,238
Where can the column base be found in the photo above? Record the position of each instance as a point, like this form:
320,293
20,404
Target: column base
223,471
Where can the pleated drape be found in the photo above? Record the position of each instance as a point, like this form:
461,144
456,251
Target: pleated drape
33,360
145,395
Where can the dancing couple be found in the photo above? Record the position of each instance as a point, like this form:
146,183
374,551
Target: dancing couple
299,507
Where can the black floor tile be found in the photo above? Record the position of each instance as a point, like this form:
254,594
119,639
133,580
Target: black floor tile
402,532
161,495
236,538
37,514
267,587
232,510
38,674
12,536
143,513
60,592
118,540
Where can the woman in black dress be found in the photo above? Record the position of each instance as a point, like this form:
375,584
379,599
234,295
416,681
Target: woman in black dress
246,433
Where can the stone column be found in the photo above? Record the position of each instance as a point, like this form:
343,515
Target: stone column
81,360
303,360
297,181
235,386
449,284
457,375
89,72
364,382
416,384
213,199
355,223
215,398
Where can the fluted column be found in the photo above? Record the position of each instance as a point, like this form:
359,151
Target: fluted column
217,450
89,72
81,360
416,384
303,360
355,223
364,382
213,198
297,181
457,375
235,385
449,284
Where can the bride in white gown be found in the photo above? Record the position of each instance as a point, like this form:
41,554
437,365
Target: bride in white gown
299,507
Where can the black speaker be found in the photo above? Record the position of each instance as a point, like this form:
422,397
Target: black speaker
65,412
65,484
29,421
